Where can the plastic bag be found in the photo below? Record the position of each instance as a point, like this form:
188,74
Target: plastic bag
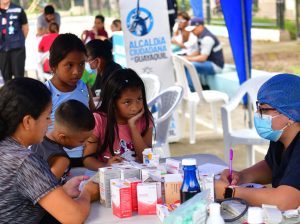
193,211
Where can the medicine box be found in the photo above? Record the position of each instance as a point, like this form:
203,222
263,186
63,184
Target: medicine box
133,182
148,195
121,198
105,175
173,166
172,185
129,172
145,173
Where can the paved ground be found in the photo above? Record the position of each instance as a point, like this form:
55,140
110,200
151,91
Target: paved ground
209,141
269,56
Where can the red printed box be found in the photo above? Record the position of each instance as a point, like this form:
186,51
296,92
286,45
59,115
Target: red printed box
121,198
148,194
133,182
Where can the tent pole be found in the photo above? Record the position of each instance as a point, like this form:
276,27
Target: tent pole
247,68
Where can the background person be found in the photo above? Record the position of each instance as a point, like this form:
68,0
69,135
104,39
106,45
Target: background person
98,31
172,12
209,60
46,42
28,188
276,119
181,35
185,42
13,32
100,59
44,20
116,25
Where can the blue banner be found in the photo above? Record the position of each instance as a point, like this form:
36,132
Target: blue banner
234,11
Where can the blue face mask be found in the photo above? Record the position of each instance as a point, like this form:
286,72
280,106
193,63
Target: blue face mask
263,126
89,69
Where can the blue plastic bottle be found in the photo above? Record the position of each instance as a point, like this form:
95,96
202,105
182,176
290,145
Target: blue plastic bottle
190,185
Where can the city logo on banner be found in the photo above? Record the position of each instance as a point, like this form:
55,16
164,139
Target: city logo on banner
140,22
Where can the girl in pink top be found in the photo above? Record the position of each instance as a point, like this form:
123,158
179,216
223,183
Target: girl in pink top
124,123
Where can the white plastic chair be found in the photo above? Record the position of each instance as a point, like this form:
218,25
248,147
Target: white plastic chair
152,85
42,76
212,97
245,136
165,104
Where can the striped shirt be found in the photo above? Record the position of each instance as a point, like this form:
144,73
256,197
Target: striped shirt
25,179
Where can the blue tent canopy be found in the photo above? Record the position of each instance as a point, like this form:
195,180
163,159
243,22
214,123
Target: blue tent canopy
197,8
238,19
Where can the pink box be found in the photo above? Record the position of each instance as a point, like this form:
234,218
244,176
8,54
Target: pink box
148,194
133,182
121,198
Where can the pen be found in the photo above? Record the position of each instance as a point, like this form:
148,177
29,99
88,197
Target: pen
230,165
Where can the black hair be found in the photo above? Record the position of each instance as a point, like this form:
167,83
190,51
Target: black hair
20,97
75,116
100,17
100,49
62,46
115,85
53,27
184,15
49,9
117,22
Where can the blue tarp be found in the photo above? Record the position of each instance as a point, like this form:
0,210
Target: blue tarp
233,15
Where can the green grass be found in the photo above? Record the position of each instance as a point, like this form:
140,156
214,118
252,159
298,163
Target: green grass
256,22
291,27
265,23
295,69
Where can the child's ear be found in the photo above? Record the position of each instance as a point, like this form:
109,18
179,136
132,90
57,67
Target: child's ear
62,137
53,69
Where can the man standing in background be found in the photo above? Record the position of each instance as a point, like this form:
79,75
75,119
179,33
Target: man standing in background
44,20
13,31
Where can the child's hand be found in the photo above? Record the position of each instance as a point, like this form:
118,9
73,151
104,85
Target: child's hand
114,159
131,121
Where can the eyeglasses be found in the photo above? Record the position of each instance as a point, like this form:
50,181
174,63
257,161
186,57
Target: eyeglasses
262,110
180,20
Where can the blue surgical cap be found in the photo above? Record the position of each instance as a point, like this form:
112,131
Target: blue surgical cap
282,92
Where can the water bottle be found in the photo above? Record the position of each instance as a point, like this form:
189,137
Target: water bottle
215,214
190,185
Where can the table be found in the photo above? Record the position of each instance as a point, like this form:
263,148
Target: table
100,214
